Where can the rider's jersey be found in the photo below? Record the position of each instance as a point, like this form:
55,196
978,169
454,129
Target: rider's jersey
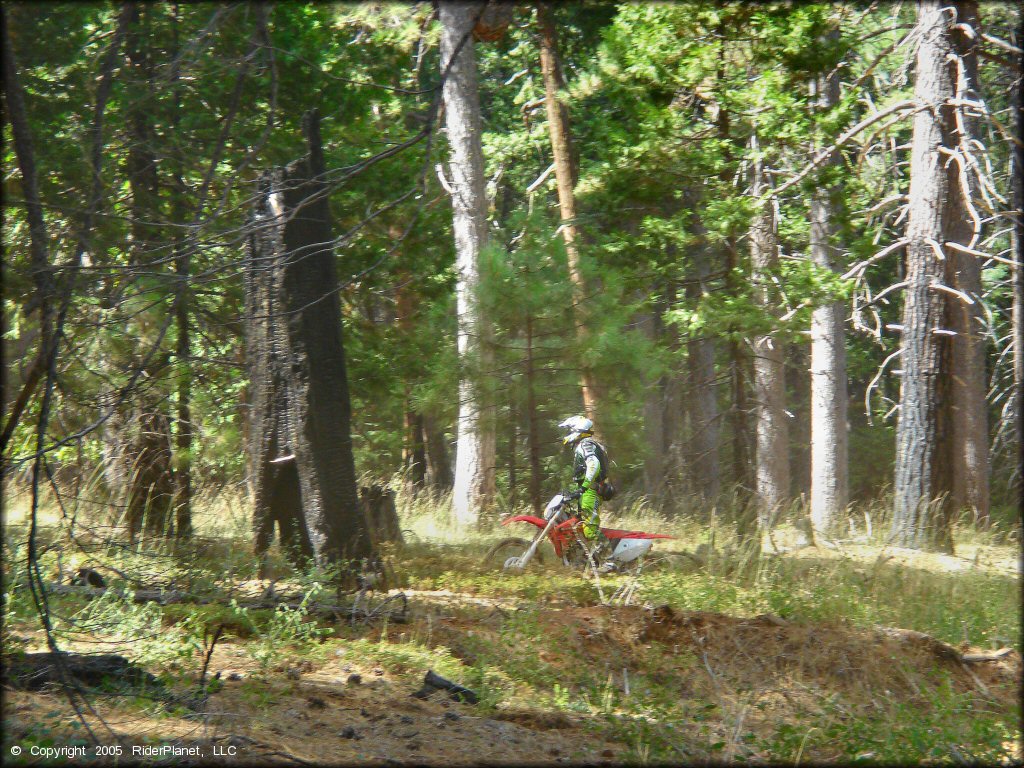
590,461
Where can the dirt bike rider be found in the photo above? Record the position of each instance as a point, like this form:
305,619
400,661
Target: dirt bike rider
590,468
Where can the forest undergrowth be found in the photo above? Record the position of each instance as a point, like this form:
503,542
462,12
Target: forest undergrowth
807,653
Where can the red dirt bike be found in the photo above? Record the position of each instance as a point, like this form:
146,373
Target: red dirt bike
562,527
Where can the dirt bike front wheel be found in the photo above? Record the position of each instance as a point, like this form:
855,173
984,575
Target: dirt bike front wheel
507,548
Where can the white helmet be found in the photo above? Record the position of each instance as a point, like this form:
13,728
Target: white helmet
577,427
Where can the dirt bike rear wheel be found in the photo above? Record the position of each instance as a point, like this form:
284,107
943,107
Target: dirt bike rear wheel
507,548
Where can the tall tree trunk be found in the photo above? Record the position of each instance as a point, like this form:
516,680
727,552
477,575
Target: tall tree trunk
319,406
150,476
739,408
414,460
474,457
829,398
702,399
39,252
277,498
677,470
739,412
654,416
566,177
183,348
414,455
511,460
306,479
772,456
923,439
439,465
1017,305
969,383
532,433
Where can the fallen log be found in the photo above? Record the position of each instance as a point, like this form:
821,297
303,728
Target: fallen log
941,649
32,671
975,658
164,597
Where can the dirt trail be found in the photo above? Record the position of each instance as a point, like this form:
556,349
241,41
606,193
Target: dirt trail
340,710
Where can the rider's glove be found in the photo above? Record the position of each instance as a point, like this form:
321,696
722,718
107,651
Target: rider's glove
573,495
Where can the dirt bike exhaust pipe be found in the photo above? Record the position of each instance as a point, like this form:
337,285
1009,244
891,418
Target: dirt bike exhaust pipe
519,563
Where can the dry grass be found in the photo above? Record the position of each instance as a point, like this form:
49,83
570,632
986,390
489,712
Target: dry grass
774,658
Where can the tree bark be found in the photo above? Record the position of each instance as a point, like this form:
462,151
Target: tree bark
739,409
147,433
378,503
772,455
1017,308
305,471
319,409
969,383
829,398
277,499
183,346
439,466
566,177
511,459
474,488
702,399
533,432
923,439
654,416
414,460
39,253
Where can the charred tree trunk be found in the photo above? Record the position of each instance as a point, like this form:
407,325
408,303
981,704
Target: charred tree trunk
319,410
566,176
305,472
474,488
277,499
829,398
921,509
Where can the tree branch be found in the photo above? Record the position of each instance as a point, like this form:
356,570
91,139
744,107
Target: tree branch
827,152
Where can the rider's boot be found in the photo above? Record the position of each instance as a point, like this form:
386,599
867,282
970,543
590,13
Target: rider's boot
602,550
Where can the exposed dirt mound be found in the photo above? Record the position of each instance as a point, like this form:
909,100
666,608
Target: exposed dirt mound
757,672
766,652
